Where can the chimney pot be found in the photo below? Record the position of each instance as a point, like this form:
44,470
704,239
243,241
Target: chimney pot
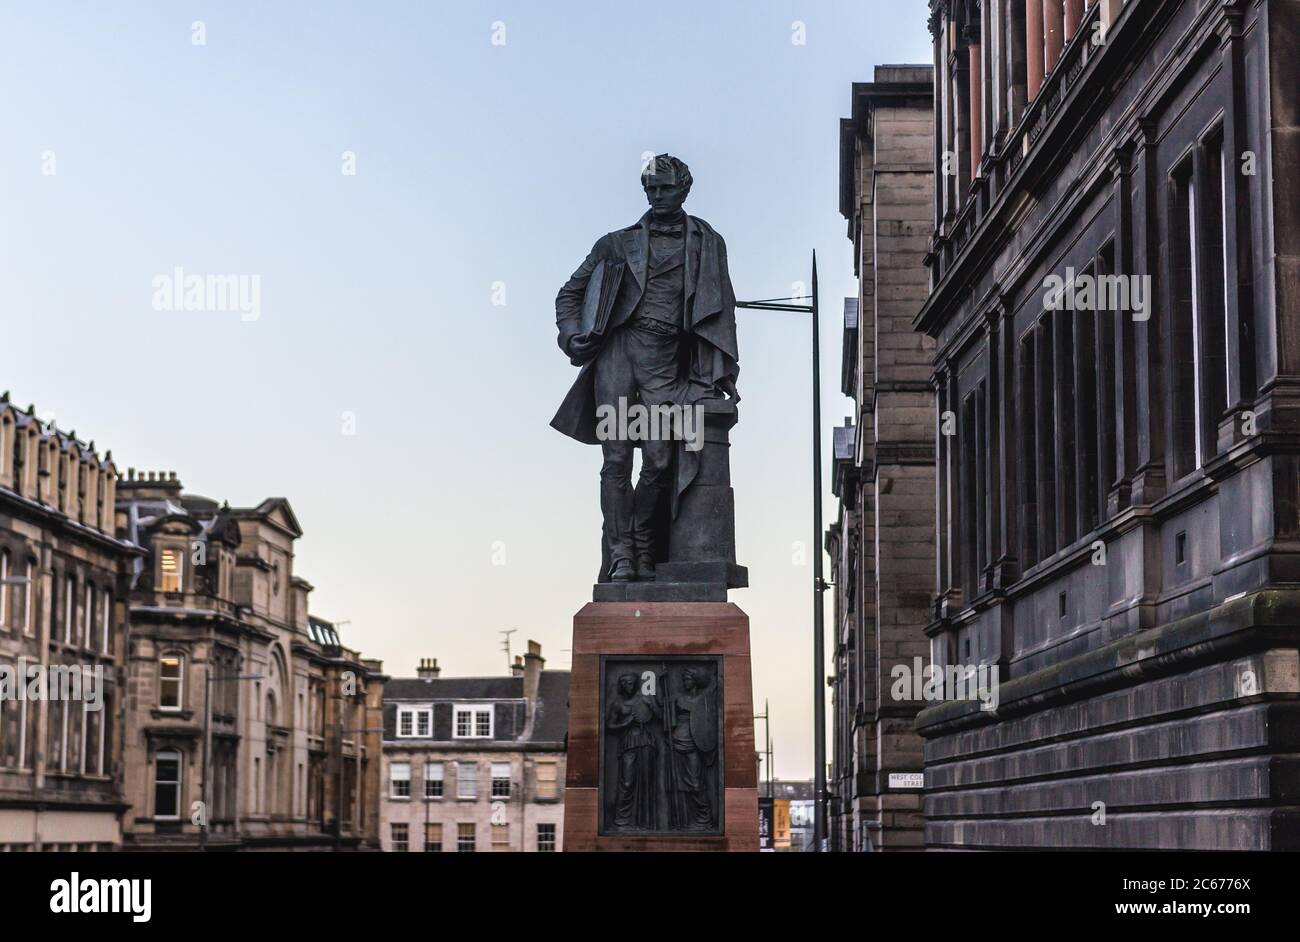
428,669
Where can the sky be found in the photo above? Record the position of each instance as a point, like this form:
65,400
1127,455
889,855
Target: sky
408,185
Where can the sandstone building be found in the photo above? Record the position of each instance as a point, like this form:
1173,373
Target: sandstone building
476,763
235,691
62,577
881,546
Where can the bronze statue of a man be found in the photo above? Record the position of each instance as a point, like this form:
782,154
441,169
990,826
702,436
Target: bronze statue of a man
670,341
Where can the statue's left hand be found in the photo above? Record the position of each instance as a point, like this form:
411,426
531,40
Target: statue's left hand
729,387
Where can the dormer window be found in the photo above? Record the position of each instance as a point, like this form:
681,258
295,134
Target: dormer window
473,722
170,566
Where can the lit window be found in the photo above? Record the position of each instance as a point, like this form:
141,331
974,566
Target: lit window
169,563
466,840
169,682
466,779
167,784
401,834
400,776
473,722
546,838
500,779
432,837
433,775
501,837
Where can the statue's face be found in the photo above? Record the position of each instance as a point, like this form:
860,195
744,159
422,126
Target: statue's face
664,194
627,685
688,680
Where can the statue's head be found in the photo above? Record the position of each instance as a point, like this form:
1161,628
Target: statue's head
696,678
627,684
667,183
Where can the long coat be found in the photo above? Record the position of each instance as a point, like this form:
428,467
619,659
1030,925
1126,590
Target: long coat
710,313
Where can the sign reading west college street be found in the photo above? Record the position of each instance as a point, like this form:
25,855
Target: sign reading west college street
906,779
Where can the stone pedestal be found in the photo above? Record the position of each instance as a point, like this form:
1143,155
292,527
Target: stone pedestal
685,742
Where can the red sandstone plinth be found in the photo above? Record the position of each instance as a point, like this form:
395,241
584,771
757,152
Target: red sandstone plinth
661,629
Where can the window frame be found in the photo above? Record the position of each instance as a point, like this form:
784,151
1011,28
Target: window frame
462,780
169,751
395,780
179,681
440,780
473,711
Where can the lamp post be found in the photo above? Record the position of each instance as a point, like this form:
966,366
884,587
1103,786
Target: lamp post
208,681
819,585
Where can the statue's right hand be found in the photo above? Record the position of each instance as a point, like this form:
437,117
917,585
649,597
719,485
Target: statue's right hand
583,347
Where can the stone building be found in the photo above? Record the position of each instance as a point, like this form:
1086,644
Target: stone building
881,546
1115,274
476,763
62,574
234,689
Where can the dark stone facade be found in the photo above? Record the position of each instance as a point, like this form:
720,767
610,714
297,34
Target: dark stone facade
1117,497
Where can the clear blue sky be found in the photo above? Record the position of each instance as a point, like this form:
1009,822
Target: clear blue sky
476,163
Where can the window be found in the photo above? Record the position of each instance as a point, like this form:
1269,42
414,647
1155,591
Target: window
546,838
170,570
401,837
413,722
466,840
433,775
500,779
169,681
87,613
473,722
546,779
27,600
501,837
4,588
167,784
432,838
69,608
466,779
400,776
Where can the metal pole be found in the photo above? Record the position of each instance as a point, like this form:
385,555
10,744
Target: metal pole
207,751
819,652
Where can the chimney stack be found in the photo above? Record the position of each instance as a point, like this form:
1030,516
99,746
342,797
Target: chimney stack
517,668
428,669
533,664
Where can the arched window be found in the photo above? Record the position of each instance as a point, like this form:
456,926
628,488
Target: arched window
170,681
167,784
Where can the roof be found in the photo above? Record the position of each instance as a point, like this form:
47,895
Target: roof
550,722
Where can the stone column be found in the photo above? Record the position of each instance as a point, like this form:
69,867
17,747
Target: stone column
1053,33
1033,47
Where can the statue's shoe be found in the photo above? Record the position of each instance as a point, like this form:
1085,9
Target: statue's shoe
622,572
645,568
